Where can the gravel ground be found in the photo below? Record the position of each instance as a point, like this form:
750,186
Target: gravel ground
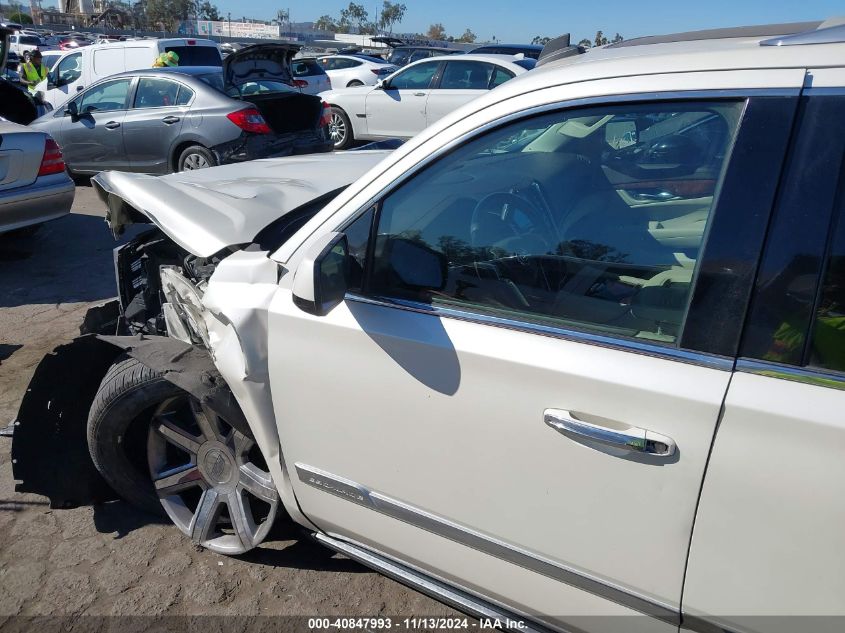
112,560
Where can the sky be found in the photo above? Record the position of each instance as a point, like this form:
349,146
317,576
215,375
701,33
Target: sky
519,21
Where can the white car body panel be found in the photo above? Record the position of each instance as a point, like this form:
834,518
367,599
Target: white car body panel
342,77
502,474
785,442
231,204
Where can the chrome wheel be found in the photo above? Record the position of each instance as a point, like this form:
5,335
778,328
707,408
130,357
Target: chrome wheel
337,129
195,161
210,478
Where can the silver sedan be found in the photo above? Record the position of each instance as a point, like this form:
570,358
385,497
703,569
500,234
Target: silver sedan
34,186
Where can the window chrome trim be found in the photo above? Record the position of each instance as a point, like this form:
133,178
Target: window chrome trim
577,336
805,375
383,504
823,91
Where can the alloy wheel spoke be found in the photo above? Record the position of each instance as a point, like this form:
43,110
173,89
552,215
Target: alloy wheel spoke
242,443
207,421
241,515
177,480
176,436
205,519
258,483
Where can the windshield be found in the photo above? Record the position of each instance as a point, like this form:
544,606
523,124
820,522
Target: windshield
306,68
197,55
29,39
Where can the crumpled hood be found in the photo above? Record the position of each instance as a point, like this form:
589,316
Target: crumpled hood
207,210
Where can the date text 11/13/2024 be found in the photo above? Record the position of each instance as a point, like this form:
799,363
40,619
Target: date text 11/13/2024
415,624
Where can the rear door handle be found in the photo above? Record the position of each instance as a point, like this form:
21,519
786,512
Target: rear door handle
170,120
419,94
112,125
633,439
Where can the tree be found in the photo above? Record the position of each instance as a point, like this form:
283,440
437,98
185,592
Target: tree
20,18
326,23
601,40
617,38
204,10
468,37
436,32
369,28
585,43
542,41
354,14
391,14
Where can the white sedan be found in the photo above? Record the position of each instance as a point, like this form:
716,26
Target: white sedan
348,71
413,98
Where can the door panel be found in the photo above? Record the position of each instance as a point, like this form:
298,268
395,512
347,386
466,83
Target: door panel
556,296
153,125
455,427
399,110
461,82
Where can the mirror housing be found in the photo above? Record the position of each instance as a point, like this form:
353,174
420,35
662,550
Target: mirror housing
382,84
73,111
320,281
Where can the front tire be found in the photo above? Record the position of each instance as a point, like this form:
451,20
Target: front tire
195,157
162,449
340,129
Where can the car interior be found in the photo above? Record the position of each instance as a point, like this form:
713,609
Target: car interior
592,220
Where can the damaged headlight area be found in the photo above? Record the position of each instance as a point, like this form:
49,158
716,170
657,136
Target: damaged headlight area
160,288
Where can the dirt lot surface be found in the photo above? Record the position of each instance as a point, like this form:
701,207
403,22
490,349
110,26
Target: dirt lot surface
112,560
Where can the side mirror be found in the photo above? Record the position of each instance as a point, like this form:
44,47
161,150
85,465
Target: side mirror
72,109
319,283
382,84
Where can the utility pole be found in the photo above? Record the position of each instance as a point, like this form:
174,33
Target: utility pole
229,16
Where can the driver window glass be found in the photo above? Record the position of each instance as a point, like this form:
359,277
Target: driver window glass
105,97
69,69
415,78
545,220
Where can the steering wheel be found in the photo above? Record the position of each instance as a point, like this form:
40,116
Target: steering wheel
495,225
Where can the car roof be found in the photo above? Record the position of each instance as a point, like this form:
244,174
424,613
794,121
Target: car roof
191,71
473,57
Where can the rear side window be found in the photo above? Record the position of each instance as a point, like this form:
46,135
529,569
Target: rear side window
500,76
466,75
156,93
196,55
185,96
306,68
827,348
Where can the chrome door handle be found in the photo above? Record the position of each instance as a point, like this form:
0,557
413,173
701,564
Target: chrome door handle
419,94
112,125
169,120
633,439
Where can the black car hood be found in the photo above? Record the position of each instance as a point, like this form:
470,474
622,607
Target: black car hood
261,61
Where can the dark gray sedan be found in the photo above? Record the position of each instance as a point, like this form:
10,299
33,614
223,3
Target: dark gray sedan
160,120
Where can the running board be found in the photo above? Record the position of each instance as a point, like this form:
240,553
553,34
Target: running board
456,598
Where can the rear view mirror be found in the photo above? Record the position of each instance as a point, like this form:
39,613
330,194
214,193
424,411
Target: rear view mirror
320,281
619,134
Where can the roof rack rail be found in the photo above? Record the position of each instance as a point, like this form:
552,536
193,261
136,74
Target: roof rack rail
825,34
558,48
761,30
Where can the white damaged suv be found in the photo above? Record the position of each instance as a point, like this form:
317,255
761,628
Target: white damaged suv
576,350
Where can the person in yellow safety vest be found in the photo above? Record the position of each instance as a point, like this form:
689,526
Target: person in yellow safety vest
166,59
34,72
